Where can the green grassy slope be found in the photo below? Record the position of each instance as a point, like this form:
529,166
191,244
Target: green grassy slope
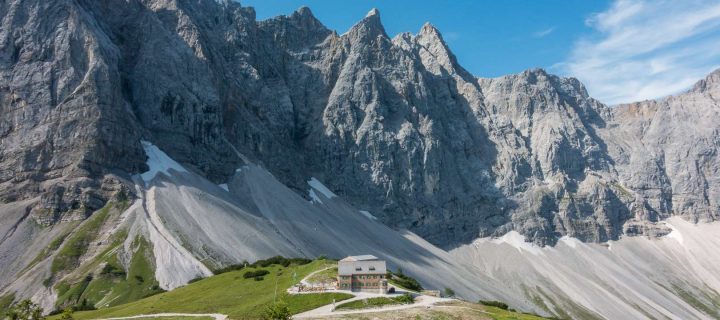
102,281
228,293
326,276
76,245
374,303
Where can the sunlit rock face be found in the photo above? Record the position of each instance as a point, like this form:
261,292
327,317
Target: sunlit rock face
393,125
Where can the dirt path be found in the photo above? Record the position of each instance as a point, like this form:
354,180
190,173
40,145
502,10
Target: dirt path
327,310
304,280
216,316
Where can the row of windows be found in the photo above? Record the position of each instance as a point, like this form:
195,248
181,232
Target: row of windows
364,277
372,268
361,284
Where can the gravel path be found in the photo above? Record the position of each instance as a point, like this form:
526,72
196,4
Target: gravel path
422,301
216,316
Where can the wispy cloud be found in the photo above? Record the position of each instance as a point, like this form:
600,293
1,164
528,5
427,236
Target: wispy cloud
544,33
646,49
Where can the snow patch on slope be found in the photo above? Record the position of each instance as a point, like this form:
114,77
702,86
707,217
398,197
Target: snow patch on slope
314,197
368,215
224,186
317,185
674,234
158,161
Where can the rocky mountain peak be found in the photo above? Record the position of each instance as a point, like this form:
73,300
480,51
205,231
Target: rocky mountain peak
710,83
374,12
277,90
369,27
303,14
434,52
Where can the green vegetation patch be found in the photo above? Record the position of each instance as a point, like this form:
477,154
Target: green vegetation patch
77,243
51,247
71,294
303,302
404,281
502,314
5,302
325,276
375,302
255,273
176,318
703,302
228,293
496,304
112,285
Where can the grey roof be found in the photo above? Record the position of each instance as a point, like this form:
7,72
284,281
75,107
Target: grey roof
365,257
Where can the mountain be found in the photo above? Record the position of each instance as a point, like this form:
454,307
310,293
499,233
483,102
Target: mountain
184,136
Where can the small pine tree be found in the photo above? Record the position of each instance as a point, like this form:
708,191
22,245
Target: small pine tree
67,314
25,310
449,292
277,311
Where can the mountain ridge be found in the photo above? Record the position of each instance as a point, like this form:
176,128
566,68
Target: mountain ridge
181,135
337,96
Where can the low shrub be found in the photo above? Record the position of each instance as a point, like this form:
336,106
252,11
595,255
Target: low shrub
404,299
155,289
280,260
278,311
256,273
112,270
496,304
259,278
232,267
405,281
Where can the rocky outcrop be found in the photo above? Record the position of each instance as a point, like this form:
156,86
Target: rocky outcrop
395,126
666,153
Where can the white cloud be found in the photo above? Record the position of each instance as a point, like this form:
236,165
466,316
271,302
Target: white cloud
543,33
646,49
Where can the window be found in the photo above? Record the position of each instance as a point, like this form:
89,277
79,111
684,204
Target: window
372,268
358,268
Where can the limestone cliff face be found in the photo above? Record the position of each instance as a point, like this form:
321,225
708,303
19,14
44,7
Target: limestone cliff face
395,126
666,153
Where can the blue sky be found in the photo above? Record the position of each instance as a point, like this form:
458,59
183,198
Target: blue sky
623,50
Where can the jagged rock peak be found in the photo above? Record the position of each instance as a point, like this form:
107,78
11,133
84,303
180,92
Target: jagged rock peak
435,51
304,16
711,81
304,13
372,13
429,35
370,26
429,29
